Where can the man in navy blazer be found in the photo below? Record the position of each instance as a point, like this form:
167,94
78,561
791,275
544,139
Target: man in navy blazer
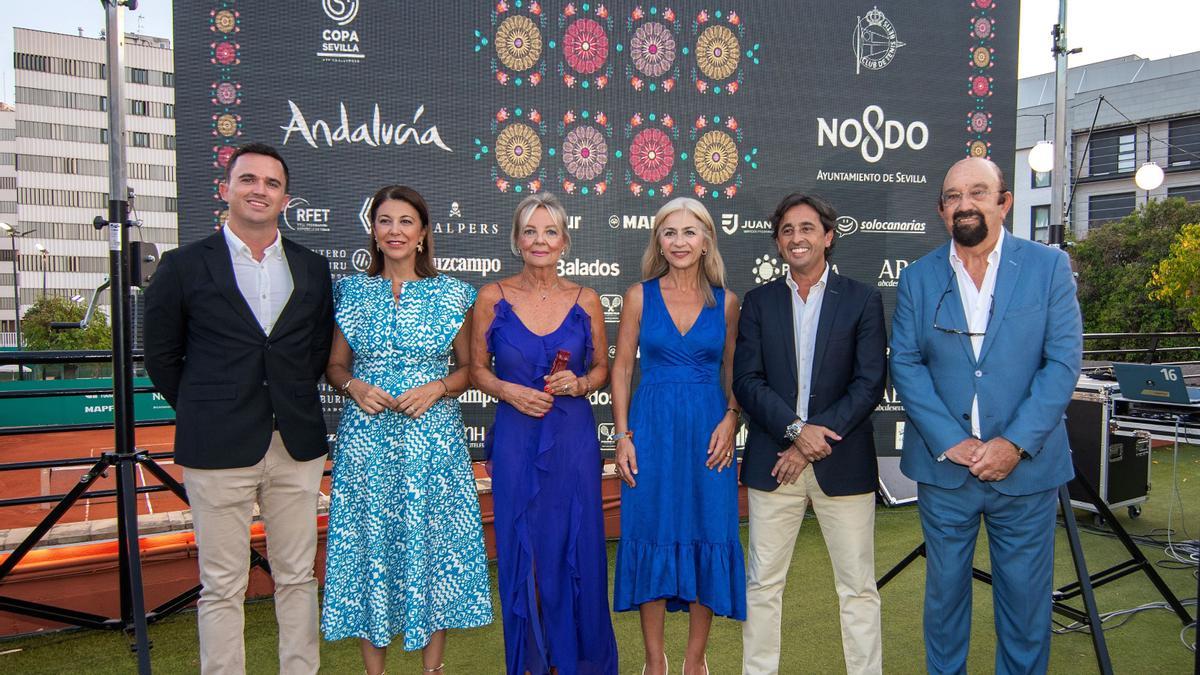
238,331
808,370
985,353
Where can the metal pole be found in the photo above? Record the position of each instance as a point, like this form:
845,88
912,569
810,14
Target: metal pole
12,236
1058,175
133,604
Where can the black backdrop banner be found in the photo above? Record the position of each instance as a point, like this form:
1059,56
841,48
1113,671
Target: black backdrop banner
614,107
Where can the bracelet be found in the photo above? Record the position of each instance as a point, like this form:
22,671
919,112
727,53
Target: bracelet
735,411
587,384
445,386
623,434
345,388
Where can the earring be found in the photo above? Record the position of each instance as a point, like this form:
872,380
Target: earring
660,252
704,252
421,246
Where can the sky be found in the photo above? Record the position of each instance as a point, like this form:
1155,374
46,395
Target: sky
1105,29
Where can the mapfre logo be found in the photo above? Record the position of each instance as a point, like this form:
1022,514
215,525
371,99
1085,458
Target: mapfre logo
848,225
583,268
612,304
300,216
340,43
627,222
873,135
732,223
889,273
875,42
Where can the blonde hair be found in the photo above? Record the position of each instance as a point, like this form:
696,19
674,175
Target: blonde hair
525,211
712,265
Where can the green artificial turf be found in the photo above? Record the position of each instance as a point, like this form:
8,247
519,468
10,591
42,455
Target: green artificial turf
1148,643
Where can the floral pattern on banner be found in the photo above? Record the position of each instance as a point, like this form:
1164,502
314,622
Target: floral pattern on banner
654,156
225,93
515,43
720,158
517,150
982,57
655,58
722,51
586,31
587,152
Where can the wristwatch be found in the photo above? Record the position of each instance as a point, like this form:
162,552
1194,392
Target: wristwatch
792,432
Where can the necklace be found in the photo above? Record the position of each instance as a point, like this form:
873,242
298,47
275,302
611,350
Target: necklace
545,294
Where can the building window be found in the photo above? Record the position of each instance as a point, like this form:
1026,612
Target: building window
139,139
1107,208
1039,179
1184,138
1188,192
1112,152
1039,223
137,107
104,103
168,79
169,110
139,76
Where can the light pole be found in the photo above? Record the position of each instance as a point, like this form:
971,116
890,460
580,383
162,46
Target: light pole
12,237
45,264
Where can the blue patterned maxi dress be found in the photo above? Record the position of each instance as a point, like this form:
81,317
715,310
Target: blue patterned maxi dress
405,546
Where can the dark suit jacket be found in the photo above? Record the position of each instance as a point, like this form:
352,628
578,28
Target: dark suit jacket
848,373
229,382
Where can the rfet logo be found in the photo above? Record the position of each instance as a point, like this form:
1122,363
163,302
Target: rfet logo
301,216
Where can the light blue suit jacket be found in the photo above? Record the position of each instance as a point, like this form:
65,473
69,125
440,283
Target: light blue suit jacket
1026,372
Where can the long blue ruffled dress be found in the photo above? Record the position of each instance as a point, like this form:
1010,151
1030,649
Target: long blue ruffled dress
679,526
405,546
549,522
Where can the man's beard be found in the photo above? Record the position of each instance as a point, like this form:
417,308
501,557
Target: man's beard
966,234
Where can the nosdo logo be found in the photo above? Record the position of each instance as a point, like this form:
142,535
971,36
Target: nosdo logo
612,303
340,12
631,222
582,268
361,259
866,135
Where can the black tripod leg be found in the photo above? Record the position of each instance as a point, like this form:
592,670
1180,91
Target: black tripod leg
1085,582
908,559
163,477
133,605
1134,552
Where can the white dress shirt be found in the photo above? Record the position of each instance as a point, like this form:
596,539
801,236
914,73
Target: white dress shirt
977,306
806,314
265,285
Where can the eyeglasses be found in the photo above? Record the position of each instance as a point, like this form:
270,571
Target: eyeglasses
954,331
952,199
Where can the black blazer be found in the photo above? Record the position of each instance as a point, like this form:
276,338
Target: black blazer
849,369
229,382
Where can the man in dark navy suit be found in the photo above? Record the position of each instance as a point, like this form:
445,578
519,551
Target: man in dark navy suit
809,369
238,329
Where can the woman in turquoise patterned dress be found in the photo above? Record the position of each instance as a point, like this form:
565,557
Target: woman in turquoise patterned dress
405,552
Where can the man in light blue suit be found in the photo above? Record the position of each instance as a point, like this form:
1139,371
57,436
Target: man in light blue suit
985,353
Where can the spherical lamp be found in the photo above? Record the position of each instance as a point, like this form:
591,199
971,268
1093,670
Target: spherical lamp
1149,176
1041,157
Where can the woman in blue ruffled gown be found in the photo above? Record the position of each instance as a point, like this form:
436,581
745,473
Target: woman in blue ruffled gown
679,545
543,453
405,549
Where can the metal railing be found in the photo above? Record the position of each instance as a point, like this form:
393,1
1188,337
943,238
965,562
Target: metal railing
1153,347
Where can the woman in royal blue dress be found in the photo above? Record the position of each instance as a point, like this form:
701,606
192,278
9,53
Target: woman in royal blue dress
679,545
544,454
405,549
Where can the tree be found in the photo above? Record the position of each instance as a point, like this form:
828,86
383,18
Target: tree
1115,263
1176,279
35,325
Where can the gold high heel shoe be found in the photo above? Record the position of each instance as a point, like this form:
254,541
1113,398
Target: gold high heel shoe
666,665
705,665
